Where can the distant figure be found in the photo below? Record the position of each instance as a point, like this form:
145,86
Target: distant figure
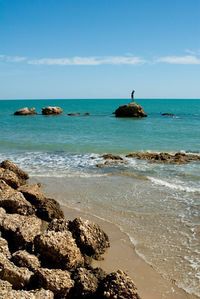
132,95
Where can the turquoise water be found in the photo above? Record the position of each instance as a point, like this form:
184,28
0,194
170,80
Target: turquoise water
157,205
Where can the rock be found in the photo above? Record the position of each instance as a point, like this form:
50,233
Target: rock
90,238
19,277
59,249
5,190
22,258
25,111
32,193
118,285
86,114
51,110
130,110
16,203
20,231
112,157
5,287
58,225
168,114
4,248
6,164
49,209
10,178
34,294
58,281
100,165
73,114
2,216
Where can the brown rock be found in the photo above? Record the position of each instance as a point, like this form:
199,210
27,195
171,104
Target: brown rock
168,114
130,110
73,114
25,111
58,225
14,168
58,281
20,231
2,216
51,110
100,165
5,287
22,258
5,190
90,238
32,193
10,178
49,209
112,157
86,114
60,249
19,277
4,248
118,285
34,294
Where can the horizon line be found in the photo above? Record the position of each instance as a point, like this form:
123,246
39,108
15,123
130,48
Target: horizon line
57,99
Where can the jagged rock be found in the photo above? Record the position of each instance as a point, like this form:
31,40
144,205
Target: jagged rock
58,225
14,168
86,283
2,216
49,209
22,258
20,231
16,203
32,193
112,157
58,281
117,285
5,287
51,110
59,248
25,111
4,248
10,178
90,238
17,276
34,294
5,190
130,110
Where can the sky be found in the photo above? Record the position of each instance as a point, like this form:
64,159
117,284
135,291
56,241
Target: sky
71,49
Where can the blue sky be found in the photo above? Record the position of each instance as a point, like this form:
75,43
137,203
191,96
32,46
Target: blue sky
99,48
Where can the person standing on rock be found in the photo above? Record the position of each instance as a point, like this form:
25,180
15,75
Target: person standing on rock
132,95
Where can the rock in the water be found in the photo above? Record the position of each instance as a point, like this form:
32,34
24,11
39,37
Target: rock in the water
73,114
10,178
51,110
14,168
22,258
19,230
130,110
25,111
33,294
168,114
112,157
60,249
17,276
118,285
91,239
56,280
4,248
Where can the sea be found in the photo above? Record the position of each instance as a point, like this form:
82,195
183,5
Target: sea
156,205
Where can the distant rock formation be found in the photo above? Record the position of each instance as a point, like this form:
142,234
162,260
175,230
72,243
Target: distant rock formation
51,110
168,114
25,111
130,110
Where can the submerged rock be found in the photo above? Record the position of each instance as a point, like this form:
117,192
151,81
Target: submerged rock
73,114
25,111
112,157
51,110
130,110
90,238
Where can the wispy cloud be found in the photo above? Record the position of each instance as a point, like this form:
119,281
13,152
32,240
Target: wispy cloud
12,58
192,52
188,59
90,61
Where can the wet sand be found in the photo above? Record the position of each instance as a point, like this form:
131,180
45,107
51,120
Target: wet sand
121,254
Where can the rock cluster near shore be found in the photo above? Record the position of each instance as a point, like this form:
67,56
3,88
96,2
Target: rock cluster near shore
44,255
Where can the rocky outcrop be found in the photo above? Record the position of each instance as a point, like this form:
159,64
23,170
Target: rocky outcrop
5,288
25,111
51,110
34,294
58,225
6,164
168,114
32,193
22,258
178,158
59,249
10,178
91,239
4,248
130,110
112,157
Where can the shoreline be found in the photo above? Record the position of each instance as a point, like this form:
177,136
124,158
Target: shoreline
122,255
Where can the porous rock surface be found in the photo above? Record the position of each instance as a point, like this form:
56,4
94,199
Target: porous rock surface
130,110
91,239
4,247
6,164
10,178
33,294
22,258
51,110
25,111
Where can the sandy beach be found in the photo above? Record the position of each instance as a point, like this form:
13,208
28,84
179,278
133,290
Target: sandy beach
121,254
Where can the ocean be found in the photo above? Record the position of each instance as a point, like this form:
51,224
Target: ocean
157,205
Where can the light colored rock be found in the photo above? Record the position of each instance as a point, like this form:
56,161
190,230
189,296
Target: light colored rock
6,164
4,248
60,249
130,110
58,225
10,178
35,294
51,110
5,287
32,193
91,239
5,190
22,258
19,277
25,111
58,281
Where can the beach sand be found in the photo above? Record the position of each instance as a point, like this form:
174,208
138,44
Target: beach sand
121,254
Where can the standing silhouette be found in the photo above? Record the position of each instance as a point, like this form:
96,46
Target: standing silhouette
132,95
